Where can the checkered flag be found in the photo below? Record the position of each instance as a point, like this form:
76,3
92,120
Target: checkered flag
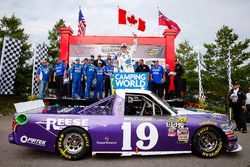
9,62
41,52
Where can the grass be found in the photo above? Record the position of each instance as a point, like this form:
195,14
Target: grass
7,103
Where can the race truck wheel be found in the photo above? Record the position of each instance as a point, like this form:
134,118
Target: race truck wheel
207,142
74,143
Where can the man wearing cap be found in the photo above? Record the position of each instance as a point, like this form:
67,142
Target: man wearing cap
178,84
99,58
237,100
83,82
142,67
108,72
69,72
43,76
89,73
108,58
124,56
59,75
157,76
76,76
99,75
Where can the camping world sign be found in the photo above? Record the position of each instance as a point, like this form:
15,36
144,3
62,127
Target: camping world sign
130,80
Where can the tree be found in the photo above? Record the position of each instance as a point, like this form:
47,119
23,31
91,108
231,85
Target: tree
215,61
54,43
12,27
185,53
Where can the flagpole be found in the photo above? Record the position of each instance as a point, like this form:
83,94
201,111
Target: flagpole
158,21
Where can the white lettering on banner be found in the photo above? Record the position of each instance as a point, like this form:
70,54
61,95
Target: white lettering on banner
130,80
152,137
59,124
132,83
130,76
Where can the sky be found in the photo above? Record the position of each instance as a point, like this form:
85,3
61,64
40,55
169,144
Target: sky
199,20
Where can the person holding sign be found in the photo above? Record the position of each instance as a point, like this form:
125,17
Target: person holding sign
124,56
157,75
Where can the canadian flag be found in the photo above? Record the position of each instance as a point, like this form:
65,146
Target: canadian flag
125,18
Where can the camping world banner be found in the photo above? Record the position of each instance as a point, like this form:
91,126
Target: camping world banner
130,80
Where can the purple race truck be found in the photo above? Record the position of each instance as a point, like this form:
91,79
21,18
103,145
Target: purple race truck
131,122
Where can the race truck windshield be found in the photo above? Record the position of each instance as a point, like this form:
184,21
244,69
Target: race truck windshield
164,102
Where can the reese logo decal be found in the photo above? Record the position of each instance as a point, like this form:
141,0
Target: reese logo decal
39,142
59,124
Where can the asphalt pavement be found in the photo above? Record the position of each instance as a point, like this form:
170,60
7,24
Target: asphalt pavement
18,156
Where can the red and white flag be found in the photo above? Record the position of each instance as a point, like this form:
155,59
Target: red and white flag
81,24
164,21
129,19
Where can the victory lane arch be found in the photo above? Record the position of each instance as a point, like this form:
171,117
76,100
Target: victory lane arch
149,47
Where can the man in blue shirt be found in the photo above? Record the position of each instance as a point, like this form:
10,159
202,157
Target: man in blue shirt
89,73
157,76
108,72
99,70
43,76
69,88
84,65
76,76
59,75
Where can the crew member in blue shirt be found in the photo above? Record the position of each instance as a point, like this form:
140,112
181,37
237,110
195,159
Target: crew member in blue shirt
157,75
99,70
84,65
108,72
70,79
89,73
59,75
76,76
43,76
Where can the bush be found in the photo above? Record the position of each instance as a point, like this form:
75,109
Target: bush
217,109
7,103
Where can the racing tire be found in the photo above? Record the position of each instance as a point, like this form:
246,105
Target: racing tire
207,142
74,143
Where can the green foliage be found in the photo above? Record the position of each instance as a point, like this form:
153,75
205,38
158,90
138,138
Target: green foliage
32,98
218,109
7,103
54,43
11,27
185,53
215,62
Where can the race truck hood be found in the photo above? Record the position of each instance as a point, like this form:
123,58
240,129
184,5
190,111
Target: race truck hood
202,113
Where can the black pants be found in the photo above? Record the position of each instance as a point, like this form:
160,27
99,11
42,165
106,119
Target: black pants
166,87
59,86
158,89
69,88
83,83
248,113
239,116
107,87
178,86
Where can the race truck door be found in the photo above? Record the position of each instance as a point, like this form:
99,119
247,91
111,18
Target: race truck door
145,129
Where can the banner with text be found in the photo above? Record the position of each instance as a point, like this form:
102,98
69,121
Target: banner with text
146,52
130,80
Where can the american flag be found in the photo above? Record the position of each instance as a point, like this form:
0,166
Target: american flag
81,24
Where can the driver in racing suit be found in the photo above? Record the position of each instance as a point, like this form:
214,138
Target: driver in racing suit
124,56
